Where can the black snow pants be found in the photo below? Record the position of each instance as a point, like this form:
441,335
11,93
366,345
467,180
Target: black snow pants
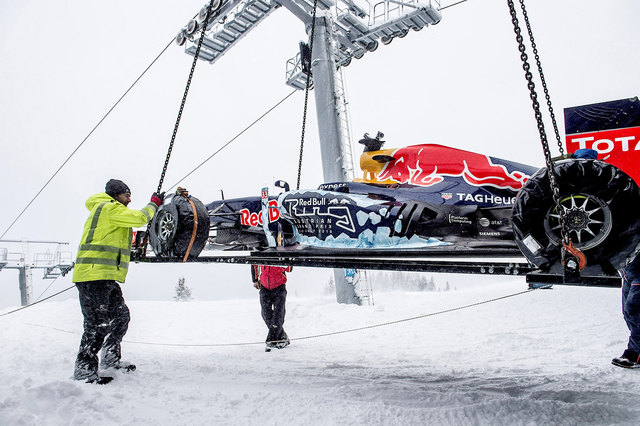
273,310
631,302
106,320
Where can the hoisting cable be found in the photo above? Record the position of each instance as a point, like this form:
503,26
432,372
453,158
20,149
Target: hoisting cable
205,23
87,137
453,4
45,290
37,301
315,336
566,239
306,89
234,138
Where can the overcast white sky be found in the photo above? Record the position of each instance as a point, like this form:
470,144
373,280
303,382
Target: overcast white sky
459,83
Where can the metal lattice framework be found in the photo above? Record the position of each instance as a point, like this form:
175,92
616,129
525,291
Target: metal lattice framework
358,26
55,263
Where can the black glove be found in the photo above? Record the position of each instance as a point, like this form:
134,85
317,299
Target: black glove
157,199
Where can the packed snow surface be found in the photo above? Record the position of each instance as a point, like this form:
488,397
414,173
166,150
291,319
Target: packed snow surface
541,357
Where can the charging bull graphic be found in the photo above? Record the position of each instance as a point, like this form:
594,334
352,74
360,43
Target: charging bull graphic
428,164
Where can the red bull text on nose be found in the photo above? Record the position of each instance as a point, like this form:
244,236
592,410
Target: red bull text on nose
428,164
249,218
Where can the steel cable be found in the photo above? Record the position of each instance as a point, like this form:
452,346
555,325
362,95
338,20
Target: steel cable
315,336
87,137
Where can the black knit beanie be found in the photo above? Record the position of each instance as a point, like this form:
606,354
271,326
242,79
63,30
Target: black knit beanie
116,187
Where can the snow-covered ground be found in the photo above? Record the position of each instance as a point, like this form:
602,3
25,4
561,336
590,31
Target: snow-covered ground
542,357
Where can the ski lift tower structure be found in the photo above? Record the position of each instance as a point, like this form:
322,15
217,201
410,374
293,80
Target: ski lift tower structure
54,263
344,30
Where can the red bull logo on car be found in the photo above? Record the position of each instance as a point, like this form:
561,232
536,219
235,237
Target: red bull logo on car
429,164
249,218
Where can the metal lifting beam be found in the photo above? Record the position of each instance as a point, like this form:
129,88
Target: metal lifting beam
497,262
450,263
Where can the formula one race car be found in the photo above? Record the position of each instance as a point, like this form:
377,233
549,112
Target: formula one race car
433,198
423,197
416,197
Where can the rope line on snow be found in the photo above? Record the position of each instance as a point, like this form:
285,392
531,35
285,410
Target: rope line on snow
315,336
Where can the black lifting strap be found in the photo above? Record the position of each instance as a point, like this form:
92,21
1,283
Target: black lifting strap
306,90
142,251
566,239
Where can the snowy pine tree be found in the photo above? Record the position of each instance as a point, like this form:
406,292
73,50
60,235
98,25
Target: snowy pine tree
183,291
331,287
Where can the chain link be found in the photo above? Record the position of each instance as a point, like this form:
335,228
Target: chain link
184,96
538,115
542,79
141,252
306,91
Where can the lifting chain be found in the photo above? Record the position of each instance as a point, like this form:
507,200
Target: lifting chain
186,91
544,83
566,239
141,252
306,90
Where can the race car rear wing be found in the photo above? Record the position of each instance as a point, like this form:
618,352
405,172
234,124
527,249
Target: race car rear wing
611,128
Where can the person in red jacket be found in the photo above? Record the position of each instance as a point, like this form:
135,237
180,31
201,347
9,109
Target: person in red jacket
271,280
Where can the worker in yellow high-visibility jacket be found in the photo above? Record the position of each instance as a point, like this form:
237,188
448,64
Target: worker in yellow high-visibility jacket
102,262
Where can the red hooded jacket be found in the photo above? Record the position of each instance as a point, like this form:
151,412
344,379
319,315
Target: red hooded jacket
271,277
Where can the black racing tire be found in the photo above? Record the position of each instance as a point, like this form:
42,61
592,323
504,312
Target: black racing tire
598,200
173,225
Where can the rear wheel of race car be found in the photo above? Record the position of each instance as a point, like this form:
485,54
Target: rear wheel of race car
178,228
596,199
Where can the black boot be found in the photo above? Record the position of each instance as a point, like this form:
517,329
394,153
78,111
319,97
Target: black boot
629,359
103,380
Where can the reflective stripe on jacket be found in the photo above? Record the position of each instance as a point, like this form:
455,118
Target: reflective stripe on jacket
273,276
105,247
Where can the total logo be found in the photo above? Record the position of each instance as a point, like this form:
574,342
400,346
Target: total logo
621,140
247,218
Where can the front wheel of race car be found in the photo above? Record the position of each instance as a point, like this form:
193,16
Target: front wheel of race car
179,228
596,199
